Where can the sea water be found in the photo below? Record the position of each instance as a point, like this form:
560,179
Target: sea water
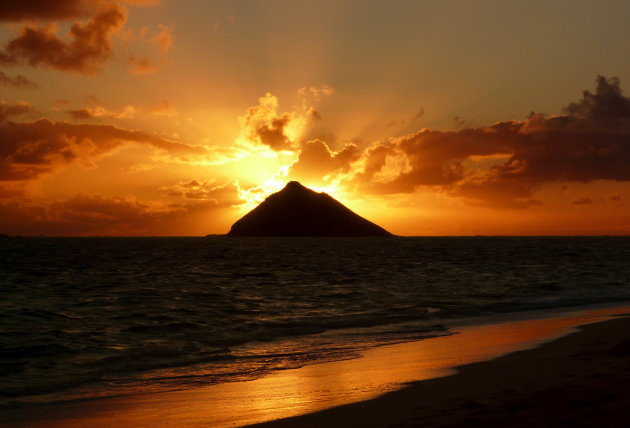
92,317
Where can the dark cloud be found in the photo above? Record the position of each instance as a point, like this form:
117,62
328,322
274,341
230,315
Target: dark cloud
313,113
18,10
31,149
461,123
18,81
103,210
8,110
143,2
615,198
87,48
56,10
99,215
607,103
505,163
81,114
419,115
79,215
316,161
273,133
580,200
9,191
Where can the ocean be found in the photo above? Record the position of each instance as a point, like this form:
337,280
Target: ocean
82,318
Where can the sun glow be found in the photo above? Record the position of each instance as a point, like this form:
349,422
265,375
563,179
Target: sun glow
332,189
255,195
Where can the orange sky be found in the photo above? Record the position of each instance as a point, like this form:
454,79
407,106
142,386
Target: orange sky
175,118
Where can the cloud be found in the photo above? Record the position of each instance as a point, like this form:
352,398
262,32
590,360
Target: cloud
220,23
263,125
128,112
419,115
87,46
143,2
615,197
316,92
158,45
606,104
84,214
581,200
85,50
163,40
81,215
114,210
311,95
15,11
224,195
141,65
57,10
165,108
18,81
11,190
313,113
504,164
460,123
316,163
35,148
14,109
81,113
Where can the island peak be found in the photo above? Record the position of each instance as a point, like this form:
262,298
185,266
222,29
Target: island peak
297,210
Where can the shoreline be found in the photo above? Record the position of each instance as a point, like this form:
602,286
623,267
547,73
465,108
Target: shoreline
579,379
380,371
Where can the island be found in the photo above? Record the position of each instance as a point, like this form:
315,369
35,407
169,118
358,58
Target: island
299,211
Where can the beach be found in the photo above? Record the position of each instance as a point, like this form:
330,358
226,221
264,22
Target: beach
547,374
582,379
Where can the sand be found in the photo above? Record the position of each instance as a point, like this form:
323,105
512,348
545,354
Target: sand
582,379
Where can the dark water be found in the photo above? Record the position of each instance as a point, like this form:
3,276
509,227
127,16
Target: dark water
87,317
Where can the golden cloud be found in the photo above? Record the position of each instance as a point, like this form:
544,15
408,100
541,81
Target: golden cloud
500,165
33,148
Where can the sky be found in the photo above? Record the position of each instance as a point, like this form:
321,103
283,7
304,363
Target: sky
163,117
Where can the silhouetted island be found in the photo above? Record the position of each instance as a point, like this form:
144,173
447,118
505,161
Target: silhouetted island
299,211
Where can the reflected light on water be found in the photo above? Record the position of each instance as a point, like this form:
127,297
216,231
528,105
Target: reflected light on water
311,388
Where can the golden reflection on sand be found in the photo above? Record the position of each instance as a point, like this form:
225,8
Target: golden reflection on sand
316,387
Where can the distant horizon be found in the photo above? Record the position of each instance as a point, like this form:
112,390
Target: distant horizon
318,237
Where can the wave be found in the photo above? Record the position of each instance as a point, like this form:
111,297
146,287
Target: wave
91,316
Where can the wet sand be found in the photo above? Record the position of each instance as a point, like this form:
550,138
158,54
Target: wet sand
580,379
